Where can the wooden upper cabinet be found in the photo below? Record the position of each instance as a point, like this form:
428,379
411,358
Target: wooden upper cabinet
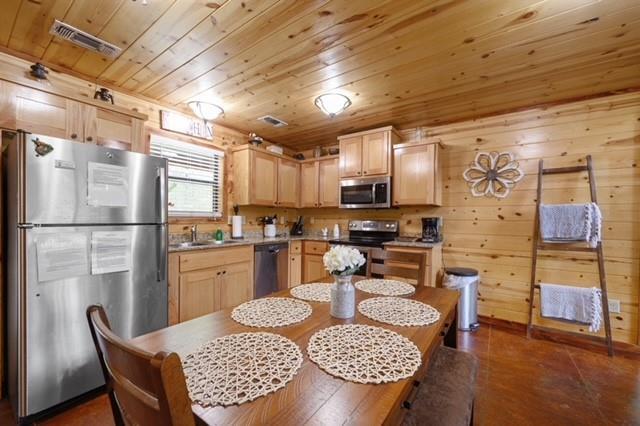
116,130
288,183
309,184
417,178
351,157
264,179
43,113
376,153
367,153
328,183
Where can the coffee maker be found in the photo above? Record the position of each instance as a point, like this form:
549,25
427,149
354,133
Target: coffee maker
431,229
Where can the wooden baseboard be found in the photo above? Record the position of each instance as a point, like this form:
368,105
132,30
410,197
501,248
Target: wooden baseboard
626,350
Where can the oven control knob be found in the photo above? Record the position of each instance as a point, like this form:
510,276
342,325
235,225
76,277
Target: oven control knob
388,225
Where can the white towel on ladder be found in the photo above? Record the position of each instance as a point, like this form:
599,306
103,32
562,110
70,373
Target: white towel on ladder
583,305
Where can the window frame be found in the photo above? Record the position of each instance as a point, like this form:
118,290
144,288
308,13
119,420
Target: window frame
186,217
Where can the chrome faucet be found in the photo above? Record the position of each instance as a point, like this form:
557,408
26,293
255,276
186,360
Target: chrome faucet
194,233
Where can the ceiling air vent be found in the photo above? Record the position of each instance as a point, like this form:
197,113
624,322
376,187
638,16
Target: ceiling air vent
82,39
275,122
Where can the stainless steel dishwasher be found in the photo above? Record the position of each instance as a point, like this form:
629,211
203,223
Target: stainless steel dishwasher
271,268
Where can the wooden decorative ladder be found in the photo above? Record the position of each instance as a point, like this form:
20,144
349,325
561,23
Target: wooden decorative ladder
568,247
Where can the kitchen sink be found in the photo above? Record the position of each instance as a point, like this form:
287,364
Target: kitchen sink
191,244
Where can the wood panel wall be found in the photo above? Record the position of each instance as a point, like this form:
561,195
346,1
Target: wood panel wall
494,236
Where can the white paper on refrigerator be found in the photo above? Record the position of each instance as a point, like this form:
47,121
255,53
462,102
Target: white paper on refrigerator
62,255
110,252
107,185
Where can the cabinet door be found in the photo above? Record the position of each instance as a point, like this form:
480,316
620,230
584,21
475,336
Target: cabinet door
295,270
51,115
414,175
288,181
376,152
198,293
351,157
117,130
236,284
309,184
313,269
328,183
264,179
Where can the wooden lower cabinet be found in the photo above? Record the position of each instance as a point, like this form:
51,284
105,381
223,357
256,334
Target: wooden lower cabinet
313,266
433,262
313,269
198,291
236,284
295,270
205,281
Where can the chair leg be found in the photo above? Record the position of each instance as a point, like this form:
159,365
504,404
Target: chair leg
115,409
471,420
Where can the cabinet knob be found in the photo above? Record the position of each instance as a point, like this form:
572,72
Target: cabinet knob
358,172
89,139
218,273
224,272
365,172
74,136
319,204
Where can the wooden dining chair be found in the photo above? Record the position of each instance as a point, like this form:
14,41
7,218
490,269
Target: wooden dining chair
143,388
387,263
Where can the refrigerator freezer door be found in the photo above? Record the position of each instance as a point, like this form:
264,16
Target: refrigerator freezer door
74,183
61,359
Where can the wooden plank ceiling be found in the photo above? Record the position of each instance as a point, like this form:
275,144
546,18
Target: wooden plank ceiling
402,62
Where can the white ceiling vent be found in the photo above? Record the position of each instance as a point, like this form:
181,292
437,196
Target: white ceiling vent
275,122
82,39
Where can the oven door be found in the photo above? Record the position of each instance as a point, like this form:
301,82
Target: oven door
365,193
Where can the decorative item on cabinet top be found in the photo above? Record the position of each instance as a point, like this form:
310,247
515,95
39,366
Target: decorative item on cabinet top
493,174
180,123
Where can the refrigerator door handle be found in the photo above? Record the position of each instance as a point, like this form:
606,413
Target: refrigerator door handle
162,193
161,252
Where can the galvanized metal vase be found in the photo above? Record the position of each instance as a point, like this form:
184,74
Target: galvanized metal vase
343,297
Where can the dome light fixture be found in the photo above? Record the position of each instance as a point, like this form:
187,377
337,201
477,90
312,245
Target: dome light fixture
332,104
205,110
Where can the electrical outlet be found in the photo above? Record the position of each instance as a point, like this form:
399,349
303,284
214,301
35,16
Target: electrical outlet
614,306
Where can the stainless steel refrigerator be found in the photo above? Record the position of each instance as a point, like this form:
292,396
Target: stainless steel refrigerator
84,224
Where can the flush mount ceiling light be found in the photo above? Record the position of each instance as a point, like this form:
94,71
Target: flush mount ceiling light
205,110
332,104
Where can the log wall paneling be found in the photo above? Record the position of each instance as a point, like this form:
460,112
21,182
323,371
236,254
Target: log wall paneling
494,236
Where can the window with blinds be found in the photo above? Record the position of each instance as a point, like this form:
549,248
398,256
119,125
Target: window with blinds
195,177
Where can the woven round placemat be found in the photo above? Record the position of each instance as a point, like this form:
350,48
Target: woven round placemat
385,287
240,368
314,292
364,354
271,312
398,311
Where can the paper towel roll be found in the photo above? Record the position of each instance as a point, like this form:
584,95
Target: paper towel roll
236,226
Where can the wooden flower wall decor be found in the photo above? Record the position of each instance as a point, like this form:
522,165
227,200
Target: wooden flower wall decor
492,174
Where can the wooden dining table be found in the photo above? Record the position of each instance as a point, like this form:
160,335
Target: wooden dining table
313,396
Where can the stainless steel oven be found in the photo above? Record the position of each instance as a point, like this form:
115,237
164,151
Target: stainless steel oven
365,193
366,235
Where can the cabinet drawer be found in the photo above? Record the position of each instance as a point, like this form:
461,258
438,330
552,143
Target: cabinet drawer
295,247
315,247
202,259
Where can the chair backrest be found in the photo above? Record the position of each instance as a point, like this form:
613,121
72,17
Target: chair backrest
412,265
144,389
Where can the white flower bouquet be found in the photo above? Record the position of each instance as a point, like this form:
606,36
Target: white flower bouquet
342,260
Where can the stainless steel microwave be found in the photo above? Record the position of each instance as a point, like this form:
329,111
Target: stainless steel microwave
365,193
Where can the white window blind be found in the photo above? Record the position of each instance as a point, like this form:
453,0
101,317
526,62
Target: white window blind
195,177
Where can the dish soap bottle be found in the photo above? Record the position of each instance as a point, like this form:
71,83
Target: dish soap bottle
219,236
336,231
